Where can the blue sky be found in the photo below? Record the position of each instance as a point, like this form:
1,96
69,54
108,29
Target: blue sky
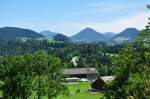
71,16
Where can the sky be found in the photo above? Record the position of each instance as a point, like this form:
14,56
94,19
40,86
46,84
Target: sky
71,16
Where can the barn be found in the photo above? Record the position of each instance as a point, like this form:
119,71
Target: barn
87,73
100,83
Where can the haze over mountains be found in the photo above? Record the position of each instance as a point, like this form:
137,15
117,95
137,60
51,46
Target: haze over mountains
108,36
48,34
85,35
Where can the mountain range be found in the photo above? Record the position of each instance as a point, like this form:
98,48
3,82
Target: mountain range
90,35
85,35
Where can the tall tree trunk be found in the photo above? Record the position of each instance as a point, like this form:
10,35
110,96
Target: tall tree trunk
13,97
49,97
39,87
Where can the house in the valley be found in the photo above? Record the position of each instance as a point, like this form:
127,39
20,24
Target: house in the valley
86,73
100,83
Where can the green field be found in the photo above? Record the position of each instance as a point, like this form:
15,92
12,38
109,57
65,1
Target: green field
83,94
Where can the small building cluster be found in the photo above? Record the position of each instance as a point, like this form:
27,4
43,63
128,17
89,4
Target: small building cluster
98,83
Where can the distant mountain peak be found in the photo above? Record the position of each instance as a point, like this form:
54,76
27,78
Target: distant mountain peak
129,29
88,35
128,34
88,30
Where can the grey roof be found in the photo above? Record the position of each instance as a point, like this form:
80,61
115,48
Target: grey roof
107,78
75,71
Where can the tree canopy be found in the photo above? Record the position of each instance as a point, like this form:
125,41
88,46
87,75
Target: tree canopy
38,72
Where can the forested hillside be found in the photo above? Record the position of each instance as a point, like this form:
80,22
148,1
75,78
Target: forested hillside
12,33
96,55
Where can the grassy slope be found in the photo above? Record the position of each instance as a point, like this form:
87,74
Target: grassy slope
83,94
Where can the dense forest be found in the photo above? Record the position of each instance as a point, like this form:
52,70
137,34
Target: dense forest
96,55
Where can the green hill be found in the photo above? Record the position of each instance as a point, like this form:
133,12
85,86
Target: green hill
12,33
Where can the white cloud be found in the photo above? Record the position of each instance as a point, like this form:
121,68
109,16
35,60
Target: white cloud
137,20
111,6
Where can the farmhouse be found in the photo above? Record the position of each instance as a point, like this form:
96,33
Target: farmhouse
87,73
100,83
